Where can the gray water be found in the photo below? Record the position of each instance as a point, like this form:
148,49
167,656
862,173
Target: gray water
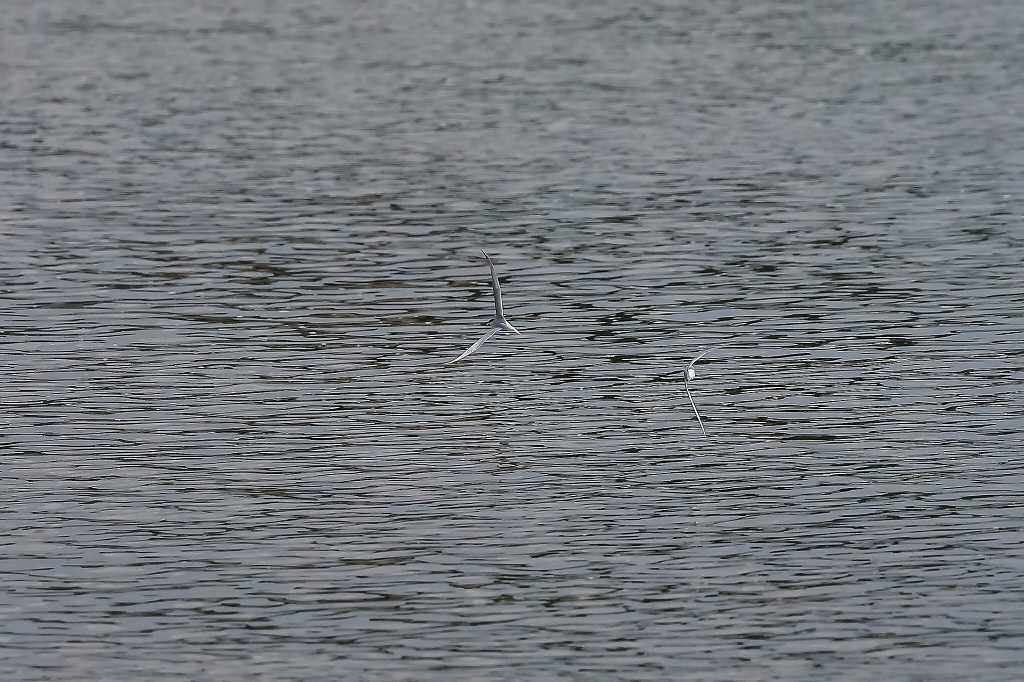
240,241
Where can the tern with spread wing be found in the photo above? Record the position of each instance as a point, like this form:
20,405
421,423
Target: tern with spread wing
498,322
689,374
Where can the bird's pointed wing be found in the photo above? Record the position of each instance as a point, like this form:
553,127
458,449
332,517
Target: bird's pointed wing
499,312
475,346
694,361
694,406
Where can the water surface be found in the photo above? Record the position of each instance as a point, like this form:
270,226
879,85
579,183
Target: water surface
240,245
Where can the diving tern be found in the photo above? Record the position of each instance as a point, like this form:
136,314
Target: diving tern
498,322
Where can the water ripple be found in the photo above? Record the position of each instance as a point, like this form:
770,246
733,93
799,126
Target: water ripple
234,269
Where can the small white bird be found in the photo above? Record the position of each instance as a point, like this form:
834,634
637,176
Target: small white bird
498,322
689,375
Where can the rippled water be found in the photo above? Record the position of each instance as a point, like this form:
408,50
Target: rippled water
240,244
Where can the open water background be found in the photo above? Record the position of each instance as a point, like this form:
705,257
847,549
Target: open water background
239,241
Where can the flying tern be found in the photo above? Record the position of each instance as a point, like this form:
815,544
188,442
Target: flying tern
689,374
498,322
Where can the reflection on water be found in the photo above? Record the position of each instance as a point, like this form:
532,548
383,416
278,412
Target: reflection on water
239,248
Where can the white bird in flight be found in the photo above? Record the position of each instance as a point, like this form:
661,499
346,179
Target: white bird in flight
689,375
498,322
